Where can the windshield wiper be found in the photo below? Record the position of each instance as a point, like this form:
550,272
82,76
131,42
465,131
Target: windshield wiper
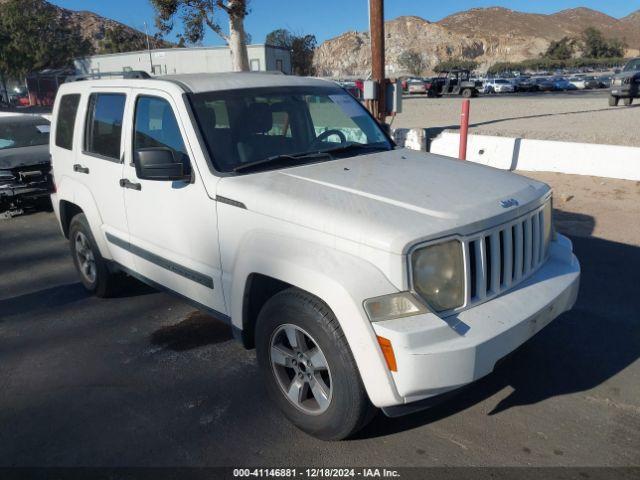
352,146
278,159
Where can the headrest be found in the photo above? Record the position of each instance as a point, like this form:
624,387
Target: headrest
259,118
208,119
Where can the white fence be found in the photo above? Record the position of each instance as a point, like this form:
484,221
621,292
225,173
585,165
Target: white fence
508,153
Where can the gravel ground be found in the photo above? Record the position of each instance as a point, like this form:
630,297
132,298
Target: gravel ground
574,116
143,380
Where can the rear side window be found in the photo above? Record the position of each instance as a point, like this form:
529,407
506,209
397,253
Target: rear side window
66,121
104,124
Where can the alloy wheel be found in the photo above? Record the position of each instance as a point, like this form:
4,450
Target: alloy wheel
85,257
301,369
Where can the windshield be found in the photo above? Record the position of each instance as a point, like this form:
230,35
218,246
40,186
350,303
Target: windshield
632,65
249,126
16,134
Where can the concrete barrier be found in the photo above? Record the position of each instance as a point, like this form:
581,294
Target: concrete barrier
612,161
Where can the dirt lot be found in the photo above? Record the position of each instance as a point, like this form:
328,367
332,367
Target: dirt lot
574,116
142,380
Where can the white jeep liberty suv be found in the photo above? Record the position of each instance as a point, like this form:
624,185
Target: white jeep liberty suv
364,274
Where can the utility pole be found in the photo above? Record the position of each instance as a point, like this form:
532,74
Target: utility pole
146,31
376,29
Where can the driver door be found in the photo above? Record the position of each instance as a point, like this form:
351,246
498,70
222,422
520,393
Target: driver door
172,223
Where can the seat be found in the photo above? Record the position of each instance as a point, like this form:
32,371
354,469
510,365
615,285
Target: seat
252,145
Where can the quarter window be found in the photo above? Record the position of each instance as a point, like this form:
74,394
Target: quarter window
156,127
66,121
104,124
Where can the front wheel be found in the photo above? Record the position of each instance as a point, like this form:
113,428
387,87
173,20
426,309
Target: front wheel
613,101
93,269
308,368
467,93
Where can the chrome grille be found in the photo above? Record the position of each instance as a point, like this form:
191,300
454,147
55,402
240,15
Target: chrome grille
500,258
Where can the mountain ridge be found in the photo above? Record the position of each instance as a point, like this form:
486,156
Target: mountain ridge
486,35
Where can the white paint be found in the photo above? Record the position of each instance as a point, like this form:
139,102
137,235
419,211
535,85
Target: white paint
612,161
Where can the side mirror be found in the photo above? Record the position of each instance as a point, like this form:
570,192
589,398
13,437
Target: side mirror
158,164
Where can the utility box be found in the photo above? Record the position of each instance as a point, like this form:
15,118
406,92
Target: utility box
370,90
394,97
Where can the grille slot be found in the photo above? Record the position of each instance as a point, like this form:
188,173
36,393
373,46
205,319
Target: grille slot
501,257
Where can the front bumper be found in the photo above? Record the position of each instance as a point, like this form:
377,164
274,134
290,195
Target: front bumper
436,355
625,90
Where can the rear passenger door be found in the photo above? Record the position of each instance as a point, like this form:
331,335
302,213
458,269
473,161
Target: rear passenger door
100,163
172,224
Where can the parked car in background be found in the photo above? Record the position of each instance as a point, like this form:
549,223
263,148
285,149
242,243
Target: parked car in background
591,82
626,84
416,86
351,87
562,84
25,168
604,81
579,82
543,84
365,275
499,85
455,82
524,84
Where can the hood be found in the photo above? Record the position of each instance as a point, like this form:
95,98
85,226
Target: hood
23,156
387,200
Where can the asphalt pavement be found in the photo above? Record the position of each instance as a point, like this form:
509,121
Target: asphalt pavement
144,380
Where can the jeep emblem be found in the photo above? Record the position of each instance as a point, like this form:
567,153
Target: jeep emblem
511,202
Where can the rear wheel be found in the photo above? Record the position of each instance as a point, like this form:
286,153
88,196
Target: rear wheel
627,101
613,101
93,269
308,368
467,93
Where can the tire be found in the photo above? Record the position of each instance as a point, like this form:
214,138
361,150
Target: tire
613,101
345,407
467,93
627,101
92,268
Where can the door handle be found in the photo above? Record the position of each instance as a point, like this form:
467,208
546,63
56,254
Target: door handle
80,169
124,183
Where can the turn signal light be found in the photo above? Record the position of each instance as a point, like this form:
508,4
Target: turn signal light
387,352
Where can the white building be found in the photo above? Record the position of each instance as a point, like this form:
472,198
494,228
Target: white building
169,61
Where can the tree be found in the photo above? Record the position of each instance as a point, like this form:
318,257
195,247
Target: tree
198,14
301,47
412,62
455,64
596,46
117,40
560,49
33,38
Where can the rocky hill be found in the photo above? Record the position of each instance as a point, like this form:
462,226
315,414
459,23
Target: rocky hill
487,35
94,28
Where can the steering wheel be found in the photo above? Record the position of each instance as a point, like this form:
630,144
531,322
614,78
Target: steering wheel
326,134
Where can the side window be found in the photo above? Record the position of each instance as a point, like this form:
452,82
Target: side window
104,124
66,121
156,127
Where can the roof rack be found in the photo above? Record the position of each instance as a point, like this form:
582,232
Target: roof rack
129,74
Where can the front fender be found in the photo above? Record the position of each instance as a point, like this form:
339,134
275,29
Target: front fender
341,280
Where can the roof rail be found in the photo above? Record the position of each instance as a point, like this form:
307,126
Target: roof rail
130,74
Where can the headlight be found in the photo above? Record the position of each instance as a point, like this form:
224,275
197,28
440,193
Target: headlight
438,275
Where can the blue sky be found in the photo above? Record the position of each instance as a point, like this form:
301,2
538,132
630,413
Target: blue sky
329,18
